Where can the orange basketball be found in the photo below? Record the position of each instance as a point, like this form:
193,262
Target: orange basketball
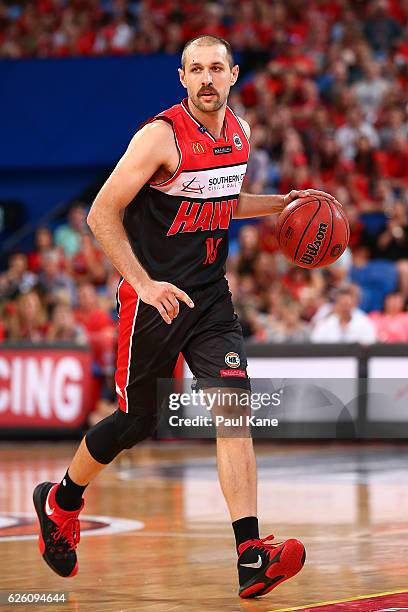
312,232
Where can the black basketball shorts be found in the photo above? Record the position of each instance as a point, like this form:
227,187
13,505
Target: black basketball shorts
209,336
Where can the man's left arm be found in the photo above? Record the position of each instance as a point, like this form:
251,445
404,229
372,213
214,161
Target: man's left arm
254,205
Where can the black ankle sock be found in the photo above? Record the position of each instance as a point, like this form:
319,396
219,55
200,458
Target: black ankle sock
69,494
245,529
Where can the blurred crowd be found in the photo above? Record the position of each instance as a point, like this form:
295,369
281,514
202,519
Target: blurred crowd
326,93
64,291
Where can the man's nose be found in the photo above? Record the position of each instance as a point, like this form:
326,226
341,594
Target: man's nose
207,77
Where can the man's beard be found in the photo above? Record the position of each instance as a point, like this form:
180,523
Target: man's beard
206,107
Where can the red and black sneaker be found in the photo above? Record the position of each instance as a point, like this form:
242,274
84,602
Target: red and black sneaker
262,567
59,530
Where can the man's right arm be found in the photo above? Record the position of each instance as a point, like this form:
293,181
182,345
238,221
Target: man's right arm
148,150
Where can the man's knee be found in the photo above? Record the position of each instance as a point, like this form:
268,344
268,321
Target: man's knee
116,432
131,428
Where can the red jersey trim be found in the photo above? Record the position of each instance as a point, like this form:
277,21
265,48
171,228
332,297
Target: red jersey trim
200,125
242,127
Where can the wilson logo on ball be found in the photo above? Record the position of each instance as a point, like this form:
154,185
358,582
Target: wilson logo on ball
313,248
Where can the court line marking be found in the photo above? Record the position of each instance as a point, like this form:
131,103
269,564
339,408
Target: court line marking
116,526
336,601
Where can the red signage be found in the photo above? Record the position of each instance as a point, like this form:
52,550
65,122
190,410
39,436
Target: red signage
44,387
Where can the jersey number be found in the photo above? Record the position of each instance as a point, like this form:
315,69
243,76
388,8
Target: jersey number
211,250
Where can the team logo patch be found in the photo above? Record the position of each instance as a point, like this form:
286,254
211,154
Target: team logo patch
237,141
198,147
232,360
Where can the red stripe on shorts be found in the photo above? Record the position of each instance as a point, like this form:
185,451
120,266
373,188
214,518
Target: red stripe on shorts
128,306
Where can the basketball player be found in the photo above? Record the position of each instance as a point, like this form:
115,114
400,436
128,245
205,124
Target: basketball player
162,218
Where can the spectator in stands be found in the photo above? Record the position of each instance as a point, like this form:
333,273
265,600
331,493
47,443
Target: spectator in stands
257,171
64,328
288,328
371,89
392,324
346,323
68,236
393,241
365,160
51,280
106,403
87,264
28,321
348,135
394,162
99,326
310,300
266,272
375,278
381,30
110,289
248,250
43,241
245,298
395,122
17,279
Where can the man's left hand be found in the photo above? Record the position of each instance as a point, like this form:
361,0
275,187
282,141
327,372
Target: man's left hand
294,195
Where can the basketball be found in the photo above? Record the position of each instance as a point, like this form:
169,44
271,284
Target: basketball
313,232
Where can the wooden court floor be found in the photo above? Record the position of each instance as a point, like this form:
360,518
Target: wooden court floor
156,535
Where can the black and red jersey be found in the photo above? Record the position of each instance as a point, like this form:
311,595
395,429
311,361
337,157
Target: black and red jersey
178,228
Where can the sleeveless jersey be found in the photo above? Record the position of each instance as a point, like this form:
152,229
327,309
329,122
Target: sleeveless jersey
178,228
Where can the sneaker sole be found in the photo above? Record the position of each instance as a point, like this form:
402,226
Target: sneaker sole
39,501
291,560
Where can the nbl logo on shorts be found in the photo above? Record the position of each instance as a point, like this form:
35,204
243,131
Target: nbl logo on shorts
232,360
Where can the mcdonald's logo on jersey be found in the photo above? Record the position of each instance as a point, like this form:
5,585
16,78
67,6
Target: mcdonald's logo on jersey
198,147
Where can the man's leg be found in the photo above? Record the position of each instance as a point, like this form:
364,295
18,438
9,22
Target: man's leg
237,474
261,567
238,479
84,467
236,461
216,356
58,505
99,447
147,350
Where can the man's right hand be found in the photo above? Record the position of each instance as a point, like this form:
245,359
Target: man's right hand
163,296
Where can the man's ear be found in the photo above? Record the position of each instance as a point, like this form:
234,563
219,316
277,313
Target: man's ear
234,74
182,77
